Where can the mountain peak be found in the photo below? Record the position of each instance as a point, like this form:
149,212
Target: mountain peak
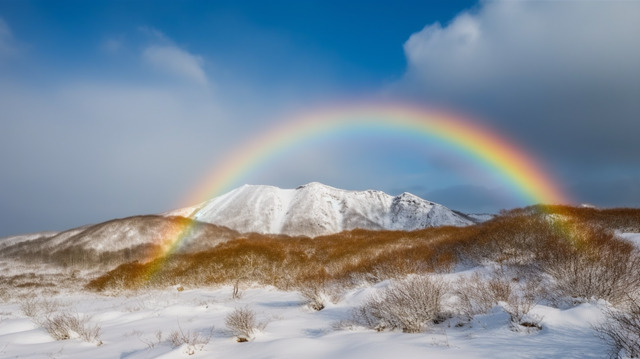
316,209
317,185
410,197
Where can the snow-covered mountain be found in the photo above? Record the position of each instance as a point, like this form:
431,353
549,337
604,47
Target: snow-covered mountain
316,209
310,210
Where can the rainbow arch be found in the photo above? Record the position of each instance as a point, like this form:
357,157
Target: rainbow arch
481,144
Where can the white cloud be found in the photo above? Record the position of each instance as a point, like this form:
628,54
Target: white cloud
535,68
510,41
560,78
177,62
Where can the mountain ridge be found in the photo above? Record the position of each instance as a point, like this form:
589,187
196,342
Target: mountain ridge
310,210
316,209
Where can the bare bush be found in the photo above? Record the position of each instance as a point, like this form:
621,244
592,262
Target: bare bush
193,340
602,267
314,290
235,292
409,305
63,326
621,330
477,295
151,343
30,307
38,309
242,323
518,308
314,297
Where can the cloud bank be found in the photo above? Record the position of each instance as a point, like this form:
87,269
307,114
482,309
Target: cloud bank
529,45
562,78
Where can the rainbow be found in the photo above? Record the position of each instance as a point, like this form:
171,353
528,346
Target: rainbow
482,145
479,143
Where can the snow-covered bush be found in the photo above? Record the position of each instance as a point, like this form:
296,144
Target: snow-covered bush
621,330
314,287
242,323
518,308
60,325
63,326
477,295
193,340
314,296
38,309
410,305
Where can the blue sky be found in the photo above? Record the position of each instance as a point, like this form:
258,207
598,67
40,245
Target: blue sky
110,109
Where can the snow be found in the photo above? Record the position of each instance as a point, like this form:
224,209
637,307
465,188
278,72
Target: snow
316,209
130,323
481,217
631,237
11,240
182,212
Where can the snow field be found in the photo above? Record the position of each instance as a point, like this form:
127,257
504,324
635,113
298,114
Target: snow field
139,325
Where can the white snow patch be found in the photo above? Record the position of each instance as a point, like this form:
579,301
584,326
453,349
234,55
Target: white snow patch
631,237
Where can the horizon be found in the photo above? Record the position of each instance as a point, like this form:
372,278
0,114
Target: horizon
114,109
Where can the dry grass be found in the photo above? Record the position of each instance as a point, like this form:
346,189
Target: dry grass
571,245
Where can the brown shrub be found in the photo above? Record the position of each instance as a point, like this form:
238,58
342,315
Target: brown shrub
570,244
596,266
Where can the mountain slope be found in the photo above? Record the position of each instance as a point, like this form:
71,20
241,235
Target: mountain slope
316,209
116,241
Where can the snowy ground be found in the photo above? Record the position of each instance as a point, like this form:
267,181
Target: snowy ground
139,325
631,237
130,325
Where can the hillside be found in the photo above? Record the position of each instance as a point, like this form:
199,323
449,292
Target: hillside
115,242
311,210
